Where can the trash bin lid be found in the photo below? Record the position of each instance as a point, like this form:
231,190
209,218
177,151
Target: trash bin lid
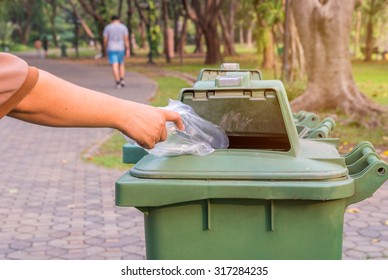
254,114
316,161
316,173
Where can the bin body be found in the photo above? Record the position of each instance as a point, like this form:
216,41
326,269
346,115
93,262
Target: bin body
246,229
235,205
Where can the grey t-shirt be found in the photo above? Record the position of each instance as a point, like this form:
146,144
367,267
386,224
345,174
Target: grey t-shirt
115,32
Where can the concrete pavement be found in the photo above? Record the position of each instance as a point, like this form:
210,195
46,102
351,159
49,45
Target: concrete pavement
53,205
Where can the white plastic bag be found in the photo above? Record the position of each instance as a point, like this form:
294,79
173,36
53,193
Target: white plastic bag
200,136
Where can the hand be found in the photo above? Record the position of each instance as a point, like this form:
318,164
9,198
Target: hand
147,125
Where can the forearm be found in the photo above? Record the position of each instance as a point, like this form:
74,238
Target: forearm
105,42
127,46
55,102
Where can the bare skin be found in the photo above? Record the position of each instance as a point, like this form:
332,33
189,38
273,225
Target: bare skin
56,102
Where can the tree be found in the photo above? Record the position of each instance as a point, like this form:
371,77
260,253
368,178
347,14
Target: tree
293,66
99,11
180,20
247,22
152,26
324,29
50,7
372,8
129,25
21,13
205,14
227,22
269,13
166,35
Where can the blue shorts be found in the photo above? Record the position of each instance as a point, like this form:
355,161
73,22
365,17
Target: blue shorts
116,57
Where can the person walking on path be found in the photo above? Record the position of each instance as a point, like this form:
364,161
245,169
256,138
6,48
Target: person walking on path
36,96
116,42
45,44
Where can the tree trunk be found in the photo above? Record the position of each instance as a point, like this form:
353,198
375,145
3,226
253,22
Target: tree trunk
241,33
98,14
182,40
293,56
213,53
356,49
369,38
129,26
143,35
205,14
249,40
198,39
166,36
120,8
228,28
324,29
52,15
268,51
74,10
23,22
285,76
298,62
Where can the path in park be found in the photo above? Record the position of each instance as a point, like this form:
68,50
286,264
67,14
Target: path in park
53,205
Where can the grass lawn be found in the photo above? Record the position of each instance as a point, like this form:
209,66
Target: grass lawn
371,78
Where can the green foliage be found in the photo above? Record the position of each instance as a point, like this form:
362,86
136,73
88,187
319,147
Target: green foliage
6,30
269,13
155,35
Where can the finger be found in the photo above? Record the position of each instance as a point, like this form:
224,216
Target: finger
163,135
176,118
146,144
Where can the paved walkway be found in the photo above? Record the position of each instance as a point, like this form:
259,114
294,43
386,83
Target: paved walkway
55,206
52,204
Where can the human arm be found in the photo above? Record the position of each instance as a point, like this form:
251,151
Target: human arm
56,102
105,42
127,46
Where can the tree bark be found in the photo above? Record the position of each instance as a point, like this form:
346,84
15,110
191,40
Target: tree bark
268,51
249,40
166,36
356,49
228,28
129,26
205,14
23,22
369,38
97,10
198,39
298,62
373,8
293,56
324,29
52,15
182,40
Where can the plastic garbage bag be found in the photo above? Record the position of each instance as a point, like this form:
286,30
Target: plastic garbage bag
200,136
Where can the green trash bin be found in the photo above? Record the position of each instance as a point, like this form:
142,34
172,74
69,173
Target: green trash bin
270,195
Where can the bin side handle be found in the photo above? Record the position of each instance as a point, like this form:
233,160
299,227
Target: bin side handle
369,180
